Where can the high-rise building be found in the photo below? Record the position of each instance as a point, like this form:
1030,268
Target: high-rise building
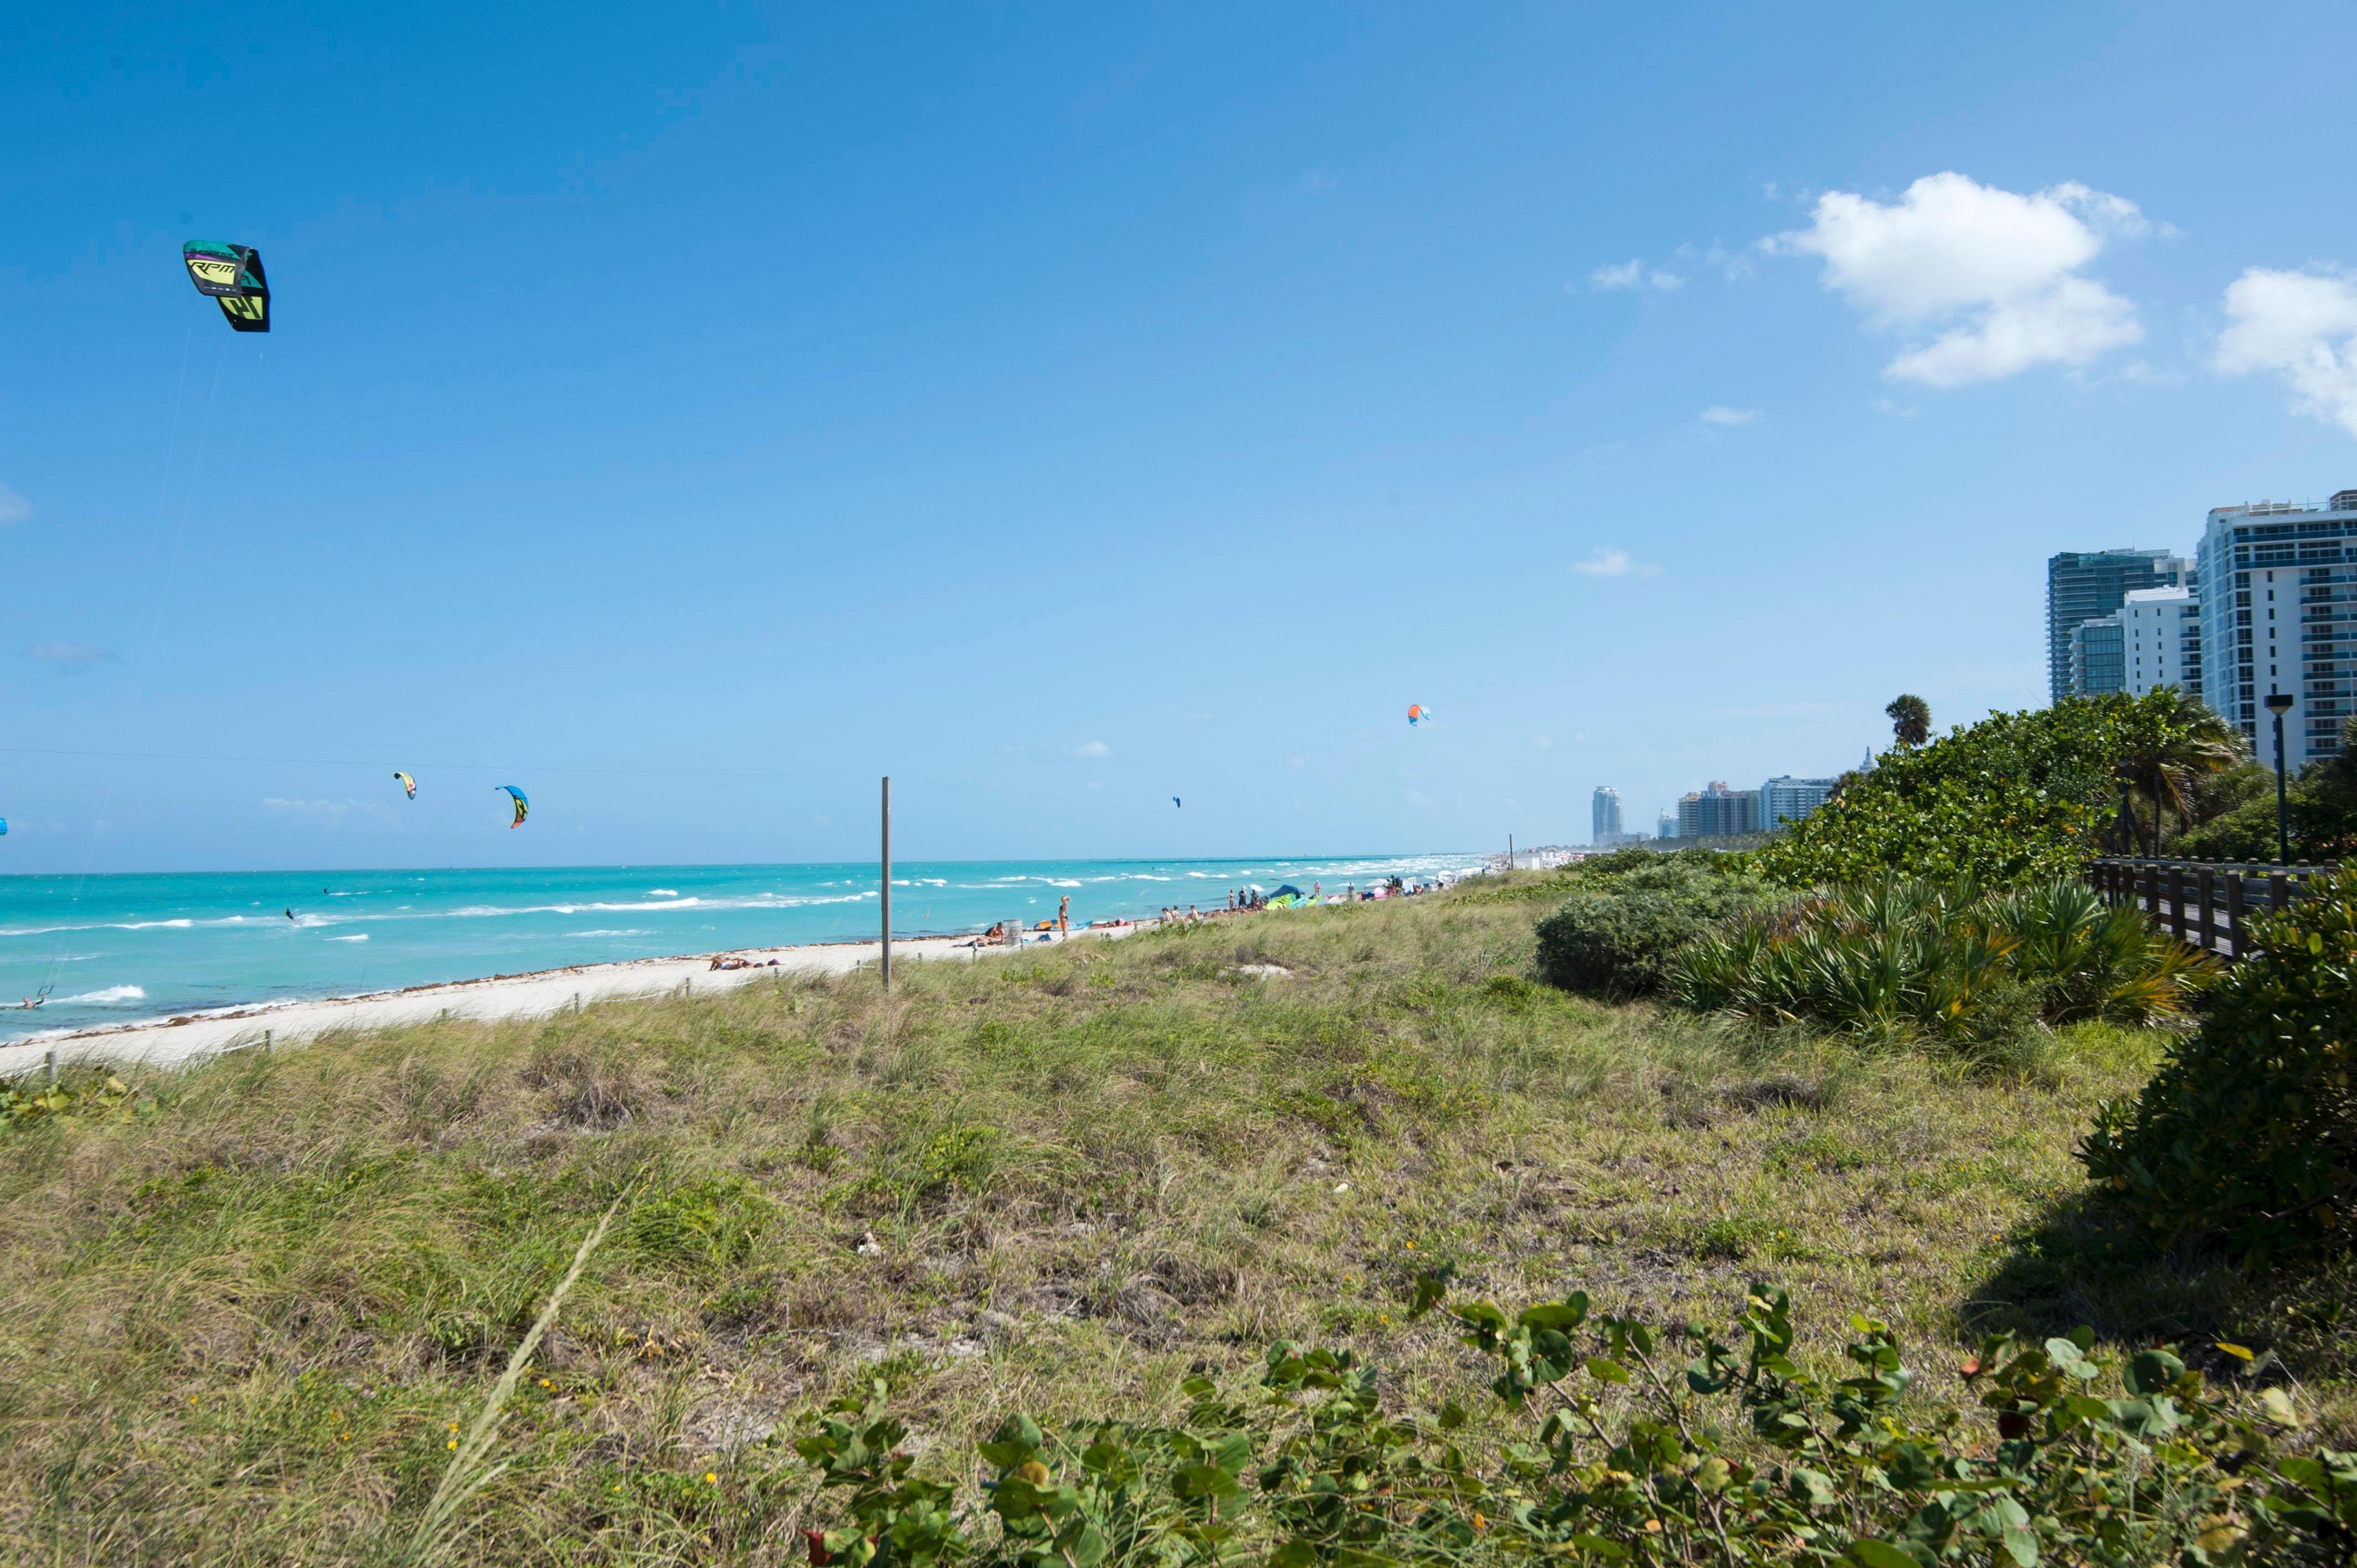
2096,657
2160,640
1718,811
1785,799
1669,823
2082,585
1605,813
2279,614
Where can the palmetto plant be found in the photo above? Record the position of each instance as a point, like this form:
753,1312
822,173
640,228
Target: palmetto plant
1911,959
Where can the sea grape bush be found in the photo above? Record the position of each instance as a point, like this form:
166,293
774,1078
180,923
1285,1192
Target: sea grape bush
2247,1135
2014,798
1630,1443
1619,936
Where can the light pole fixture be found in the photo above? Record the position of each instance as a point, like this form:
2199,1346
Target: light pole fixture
2279,704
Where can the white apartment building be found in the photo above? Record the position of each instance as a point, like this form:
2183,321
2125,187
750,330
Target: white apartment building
1785,799
2278,612
2160,640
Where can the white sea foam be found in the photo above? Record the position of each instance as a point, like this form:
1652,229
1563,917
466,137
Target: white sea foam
361,938
618,932
114,995
662,892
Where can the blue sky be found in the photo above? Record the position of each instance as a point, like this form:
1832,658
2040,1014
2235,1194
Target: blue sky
1063,409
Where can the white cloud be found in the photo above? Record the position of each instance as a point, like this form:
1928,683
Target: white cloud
1718,414
1093,748
1416,797
1545,742
13,508
2303,326
326,808
1607,561
1634,273
72,655
1997,274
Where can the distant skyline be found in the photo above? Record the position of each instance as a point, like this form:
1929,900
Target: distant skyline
1065,410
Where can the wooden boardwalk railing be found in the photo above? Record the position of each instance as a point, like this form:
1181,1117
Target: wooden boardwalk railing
2202,902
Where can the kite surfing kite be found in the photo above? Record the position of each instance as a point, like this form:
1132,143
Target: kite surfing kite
1177,803
4,827
1417,712
230,276
407,783
522,805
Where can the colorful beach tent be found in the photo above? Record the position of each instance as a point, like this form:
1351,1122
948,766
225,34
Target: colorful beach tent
522,805
232,278
407,783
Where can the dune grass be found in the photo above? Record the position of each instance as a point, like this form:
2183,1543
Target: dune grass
249,1310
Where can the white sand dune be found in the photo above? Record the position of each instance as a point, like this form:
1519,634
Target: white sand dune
483,1001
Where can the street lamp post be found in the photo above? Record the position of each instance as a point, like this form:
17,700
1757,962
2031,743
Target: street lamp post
2279,704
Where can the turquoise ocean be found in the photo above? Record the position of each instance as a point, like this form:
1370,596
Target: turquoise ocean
118,950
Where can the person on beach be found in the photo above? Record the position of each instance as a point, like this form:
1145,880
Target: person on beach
290,914
1064,916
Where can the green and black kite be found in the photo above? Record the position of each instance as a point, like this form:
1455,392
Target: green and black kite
231,276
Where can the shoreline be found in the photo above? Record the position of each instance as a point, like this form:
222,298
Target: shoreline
493,999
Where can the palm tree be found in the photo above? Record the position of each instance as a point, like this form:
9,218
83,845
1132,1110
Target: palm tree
2173,739
1910,719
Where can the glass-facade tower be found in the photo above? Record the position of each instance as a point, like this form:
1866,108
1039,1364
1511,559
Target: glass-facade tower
2084,584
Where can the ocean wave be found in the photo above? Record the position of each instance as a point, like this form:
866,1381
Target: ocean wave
618,932
361,938
662,892
111,996
181,924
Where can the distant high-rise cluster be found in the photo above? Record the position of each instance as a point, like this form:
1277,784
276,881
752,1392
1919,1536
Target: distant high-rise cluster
1718,811
2267,605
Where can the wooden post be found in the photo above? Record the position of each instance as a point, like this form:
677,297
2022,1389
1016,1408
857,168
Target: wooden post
265,1042
49,1061
2235,896
2278,892
2176,923
886,967
2208,914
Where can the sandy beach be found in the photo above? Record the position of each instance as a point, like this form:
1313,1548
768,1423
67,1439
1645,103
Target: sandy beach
483,1001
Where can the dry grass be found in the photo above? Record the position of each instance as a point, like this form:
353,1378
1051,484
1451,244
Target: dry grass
239,1326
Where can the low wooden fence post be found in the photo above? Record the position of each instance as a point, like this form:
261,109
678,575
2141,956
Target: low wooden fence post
2209,913
2234,898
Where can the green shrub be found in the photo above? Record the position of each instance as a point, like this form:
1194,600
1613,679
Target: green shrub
2015,798
1910,959
2248,1132
1620,939
1630,1443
